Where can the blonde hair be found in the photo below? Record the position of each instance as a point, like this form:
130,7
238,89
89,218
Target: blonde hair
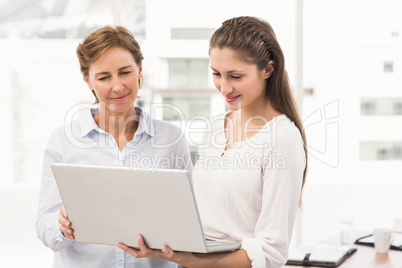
255,42
100,41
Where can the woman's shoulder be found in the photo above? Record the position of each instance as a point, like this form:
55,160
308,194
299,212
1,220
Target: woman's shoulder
77,122
166,133
163,132
158,125
285,133
164,126
66,131
282,124
75,126
280,130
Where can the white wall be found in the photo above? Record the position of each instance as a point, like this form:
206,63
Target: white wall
346,43
19,246
42,81
341,63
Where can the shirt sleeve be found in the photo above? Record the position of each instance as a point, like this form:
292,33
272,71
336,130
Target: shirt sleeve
47,224
283,167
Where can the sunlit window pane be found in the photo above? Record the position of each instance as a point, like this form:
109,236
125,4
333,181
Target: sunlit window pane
188,73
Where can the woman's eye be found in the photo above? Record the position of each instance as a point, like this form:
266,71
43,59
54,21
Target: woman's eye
125,73
236,77
216,74
103,78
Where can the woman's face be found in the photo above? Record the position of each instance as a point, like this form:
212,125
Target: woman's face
241,83
114,77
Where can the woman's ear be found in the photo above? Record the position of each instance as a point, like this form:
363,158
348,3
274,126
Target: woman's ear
140,71
86,79
269,69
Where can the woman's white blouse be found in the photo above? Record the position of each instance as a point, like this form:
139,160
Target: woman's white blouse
251,192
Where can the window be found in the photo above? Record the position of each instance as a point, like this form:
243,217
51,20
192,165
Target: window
382,154
377,150
398,108
309,91
59,19
140,103
189,107
188,73
397,152
381,106
388,67
191,34
367,107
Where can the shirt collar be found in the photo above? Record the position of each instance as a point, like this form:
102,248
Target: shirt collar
145,123
88,123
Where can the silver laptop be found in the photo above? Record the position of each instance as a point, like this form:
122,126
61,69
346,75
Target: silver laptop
109,205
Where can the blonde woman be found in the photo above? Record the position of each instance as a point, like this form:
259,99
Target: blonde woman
112,133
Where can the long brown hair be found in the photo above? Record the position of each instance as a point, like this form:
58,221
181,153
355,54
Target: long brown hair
255,42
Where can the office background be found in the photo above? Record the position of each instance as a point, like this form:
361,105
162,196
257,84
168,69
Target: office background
343,58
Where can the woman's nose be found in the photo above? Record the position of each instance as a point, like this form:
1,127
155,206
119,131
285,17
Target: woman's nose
225,88
117,85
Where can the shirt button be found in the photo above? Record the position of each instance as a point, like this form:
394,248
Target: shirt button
120,263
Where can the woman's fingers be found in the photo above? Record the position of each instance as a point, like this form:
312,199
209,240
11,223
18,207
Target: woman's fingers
130,250
144,251
63,211
64,221
65,224
67,232
140,252
141,245
168,253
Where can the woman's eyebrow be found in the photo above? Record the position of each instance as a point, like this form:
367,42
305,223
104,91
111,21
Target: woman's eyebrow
229,72
101,73
105,73
128,66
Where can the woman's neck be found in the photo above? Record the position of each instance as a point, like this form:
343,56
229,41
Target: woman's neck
243,124
256,116
122,126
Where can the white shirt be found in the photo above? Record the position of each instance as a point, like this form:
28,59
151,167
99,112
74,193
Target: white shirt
155,144
250,194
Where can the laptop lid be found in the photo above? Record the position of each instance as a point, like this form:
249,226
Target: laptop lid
109,205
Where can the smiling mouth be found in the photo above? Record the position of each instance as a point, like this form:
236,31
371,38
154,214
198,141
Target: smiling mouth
232,98
120,98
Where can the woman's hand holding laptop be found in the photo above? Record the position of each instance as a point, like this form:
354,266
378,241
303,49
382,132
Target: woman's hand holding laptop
65,224
187,259
165,253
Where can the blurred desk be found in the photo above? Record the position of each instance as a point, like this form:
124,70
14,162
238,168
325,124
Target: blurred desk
366,257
